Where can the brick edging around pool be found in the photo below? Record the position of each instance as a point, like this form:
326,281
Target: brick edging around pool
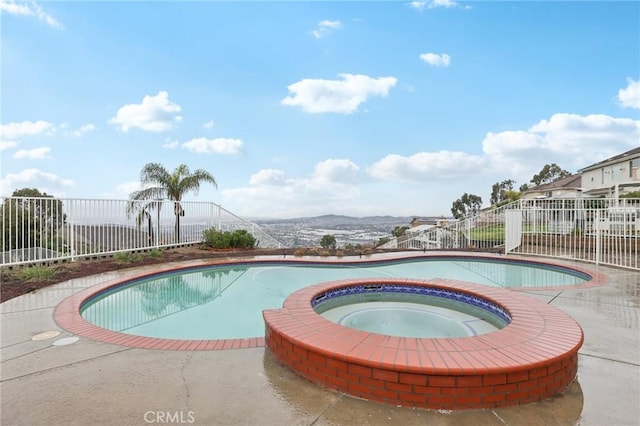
532,358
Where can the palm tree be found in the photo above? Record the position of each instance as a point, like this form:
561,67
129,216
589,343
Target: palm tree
159,184
143,212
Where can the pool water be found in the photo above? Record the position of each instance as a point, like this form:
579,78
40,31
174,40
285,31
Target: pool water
226,302
408,319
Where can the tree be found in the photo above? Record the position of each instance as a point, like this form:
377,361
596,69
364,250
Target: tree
399,231
159,184
328,242
381,241
549,173
467,205
500,191
142,211
511,195
30,218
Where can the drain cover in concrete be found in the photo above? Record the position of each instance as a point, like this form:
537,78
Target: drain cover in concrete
46,335
66,341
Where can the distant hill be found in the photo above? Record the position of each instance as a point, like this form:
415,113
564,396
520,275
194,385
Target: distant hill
331,220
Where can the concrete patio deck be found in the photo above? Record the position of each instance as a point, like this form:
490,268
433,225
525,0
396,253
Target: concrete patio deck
89,382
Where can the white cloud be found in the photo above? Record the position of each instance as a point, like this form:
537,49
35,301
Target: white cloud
272,177
40,127
432,4
13,8
436,59
24,128
81,131
335,171
339,96
87,128
34,178
569,140
209,124
629,97
442,3
427,166
325,27
170,144
430,181
572,141
516,154
32,154
576,131
328,188
7,144
32,9
154,114
214,146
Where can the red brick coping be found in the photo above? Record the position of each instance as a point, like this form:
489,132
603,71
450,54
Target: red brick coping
67,313
534,357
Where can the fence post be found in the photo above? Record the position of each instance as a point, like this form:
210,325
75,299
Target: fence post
598,235
467,231
507,224
72,230
157,237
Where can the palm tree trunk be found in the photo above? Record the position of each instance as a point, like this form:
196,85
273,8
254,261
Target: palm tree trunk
177,209
150,225
177,228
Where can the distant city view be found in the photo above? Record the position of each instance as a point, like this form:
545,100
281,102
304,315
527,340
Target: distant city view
307,232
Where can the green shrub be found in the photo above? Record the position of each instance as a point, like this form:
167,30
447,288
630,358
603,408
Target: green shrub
127,257
36,273
634,194
155,254
223,240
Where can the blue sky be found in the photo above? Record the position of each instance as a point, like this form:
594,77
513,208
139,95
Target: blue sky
309,108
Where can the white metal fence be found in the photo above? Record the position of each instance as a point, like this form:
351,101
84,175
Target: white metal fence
602,231
46,229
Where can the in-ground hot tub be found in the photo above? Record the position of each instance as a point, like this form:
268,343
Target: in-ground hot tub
534,356
410,311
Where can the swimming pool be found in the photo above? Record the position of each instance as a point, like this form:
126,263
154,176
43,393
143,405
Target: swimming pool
226,302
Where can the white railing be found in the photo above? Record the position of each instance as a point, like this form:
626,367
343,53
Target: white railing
601,231
38,229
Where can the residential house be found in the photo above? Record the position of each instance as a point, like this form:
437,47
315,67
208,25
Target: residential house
614,176
420,221
566,187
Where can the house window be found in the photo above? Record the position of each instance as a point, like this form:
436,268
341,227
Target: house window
634,169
